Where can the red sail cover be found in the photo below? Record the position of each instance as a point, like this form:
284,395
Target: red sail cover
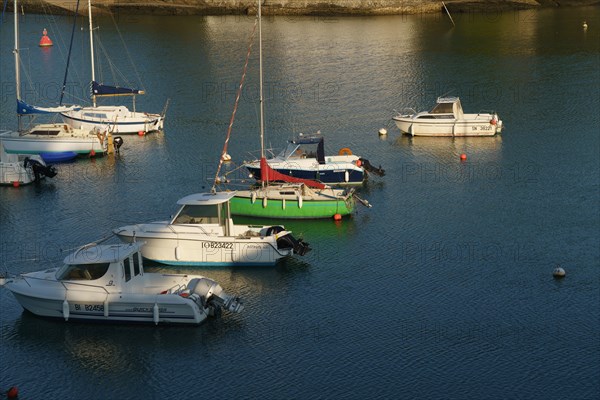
269,174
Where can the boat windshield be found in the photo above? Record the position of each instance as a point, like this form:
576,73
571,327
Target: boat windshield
194,214
442,108
79,272
292,150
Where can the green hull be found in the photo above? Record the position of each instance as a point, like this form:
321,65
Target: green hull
310,209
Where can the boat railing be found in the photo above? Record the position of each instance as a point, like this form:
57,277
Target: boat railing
172,229
83,284
407,111
63,283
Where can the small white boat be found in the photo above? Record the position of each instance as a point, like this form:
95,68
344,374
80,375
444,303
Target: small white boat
54,138
17,170
202,233
448,119
108,283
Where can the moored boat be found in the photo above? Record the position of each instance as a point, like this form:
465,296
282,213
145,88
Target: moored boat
202,233
304,157
107,283
448,119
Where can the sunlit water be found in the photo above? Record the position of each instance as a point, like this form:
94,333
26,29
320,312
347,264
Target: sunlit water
443,289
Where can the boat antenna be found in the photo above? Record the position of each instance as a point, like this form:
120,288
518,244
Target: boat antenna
237,99
62,92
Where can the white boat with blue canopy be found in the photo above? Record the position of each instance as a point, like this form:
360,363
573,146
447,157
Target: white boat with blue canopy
304,158
447,119
108,283
202,233
117,119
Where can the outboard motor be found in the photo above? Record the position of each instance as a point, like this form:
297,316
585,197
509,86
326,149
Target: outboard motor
211,295
299,246
39,168
117,142
369,168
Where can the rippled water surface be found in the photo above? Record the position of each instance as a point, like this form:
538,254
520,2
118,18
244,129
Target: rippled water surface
442,290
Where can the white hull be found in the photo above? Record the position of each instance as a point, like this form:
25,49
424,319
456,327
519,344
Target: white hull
472,125
108,284
190,247
52,138
12,173
117,120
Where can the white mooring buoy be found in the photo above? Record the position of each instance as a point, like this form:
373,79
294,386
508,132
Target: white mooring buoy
558,272
382,132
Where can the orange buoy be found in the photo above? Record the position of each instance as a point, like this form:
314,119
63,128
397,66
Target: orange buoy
141,133
45,41
12,393
16,183
463,157
337,217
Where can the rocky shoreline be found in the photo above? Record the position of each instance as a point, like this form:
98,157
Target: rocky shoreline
294,7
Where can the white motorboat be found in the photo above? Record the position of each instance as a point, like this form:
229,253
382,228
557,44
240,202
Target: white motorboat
448,119
18,170
108,283
304,158
117,119
202,233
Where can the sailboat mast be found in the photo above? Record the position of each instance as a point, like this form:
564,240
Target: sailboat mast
261,100
16,52
91,48
17,62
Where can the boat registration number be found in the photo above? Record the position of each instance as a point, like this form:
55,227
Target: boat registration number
217,245
482,128
89,307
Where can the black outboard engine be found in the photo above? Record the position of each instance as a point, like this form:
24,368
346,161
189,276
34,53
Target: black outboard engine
117,142
369,168
39,169
299,246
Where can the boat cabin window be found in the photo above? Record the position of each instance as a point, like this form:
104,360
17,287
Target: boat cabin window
136,264
88,272
127,269
193,214
95,115
442,108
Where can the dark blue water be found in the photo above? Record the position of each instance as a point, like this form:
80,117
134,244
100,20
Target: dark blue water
443,289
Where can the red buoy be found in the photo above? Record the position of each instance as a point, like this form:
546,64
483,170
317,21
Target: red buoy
141,133
45,41
16,184
12,393
463,157
92,153
337,217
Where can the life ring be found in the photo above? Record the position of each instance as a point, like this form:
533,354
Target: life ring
344,151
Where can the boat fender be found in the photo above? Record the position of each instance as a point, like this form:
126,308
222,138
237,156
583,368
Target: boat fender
155,314
299,201
106,308
264,203
346,176
65,310
177,253
283,204
345,151
358,162
494,120
253,197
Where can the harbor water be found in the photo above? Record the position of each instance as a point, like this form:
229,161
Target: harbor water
443,289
